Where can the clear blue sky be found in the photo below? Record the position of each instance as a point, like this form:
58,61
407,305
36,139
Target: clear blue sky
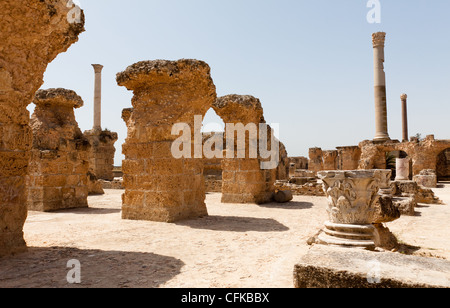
309,62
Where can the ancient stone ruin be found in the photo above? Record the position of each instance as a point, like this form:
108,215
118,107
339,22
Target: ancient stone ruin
57,175
158,186
26,50
358,207
102,150
244,181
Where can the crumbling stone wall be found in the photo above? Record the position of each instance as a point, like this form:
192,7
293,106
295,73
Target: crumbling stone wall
243,179
348,157
32,34
59,157
443,165
299,162
425,154
102,151
330,160
159,187
315,160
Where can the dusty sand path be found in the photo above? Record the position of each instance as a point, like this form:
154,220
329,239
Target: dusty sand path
236,246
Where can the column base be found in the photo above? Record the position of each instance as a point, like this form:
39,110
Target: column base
381,138
12,243
357,236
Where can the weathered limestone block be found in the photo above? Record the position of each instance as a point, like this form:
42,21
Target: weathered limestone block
405,205
372,156
32,34
426,178
309,189
348,157
95,187
283,196
283,169
58,165
336,267
315,163
244,180
102,151
159,187
329,160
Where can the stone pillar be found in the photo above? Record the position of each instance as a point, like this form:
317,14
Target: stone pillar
57,176
159,186
378,40
102,152
351,207
32,34
244,181
405,132
315,163
402,169
98,97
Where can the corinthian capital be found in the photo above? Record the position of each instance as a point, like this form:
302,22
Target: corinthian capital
378,39
97,68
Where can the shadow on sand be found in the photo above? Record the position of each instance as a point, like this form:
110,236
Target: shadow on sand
47,268
235,224
293,205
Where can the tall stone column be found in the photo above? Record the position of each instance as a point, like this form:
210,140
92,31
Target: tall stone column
98,97
405,134
32,34
160,186
381,124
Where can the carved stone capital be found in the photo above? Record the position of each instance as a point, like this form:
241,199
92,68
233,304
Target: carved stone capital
378,39
97,68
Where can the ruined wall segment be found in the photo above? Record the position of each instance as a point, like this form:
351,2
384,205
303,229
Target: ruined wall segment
32,33
159,187
102,152
243,179
59,157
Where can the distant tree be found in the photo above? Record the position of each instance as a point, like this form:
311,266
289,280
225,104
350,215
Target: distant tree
391,161
418,136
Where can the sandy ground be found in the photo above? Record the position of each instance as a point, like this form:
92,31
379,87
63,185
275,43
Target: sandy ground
253,246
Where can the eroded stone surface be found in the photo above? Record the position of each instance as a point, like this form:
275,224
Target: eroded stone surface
244,180
57,176
158,186
32,33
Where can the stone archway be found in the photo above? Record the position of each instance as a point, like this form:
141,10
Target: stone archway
244,181
158,185
32,33
443,166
